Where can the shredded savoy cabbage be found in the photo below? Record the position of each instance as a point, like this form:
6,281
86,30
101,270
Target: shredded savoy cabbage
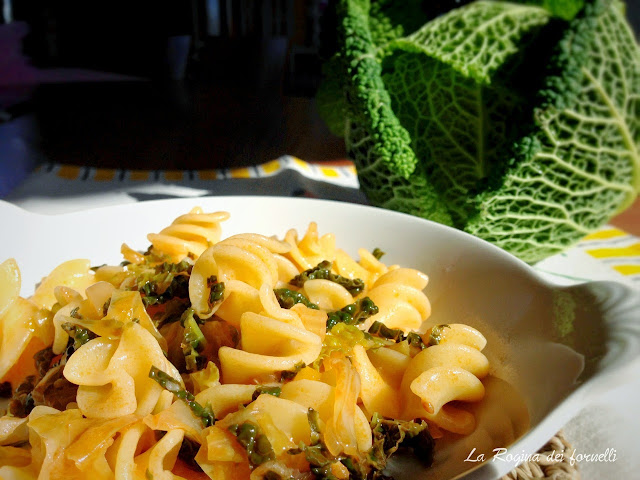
516,122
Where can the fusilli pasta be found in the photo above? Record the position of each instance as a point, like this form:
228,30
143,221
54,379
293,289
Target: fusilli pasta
235,358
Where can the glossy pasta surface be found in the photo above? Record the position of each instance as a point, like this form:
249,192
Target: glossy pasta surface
230,358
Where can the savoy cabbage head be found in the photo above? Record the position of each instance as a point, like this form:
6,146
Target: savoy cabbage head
517,122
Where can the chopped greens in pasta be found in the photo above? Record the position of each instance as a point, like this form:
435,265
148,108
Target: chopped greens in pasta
243,357
322,271
353,314
288,298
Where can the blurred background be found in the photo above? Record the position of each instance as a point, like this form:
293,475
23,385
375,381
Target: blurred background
164,84
168,84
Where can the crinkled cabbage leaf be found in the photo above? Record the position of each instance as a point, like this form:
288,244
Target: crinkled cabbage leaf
502,119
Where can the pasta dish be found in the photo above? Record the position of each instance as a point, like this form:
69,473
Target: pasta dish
230,358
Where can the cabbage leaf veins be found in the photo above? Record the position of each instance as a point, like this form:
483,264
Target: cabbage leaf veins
510,121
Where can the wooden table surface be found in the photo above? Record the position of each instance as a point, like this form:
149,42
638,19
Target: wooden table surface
629,220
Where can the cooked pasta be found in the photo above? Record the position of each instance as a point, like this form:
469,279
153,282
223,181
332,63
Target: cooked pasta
191,233
244,357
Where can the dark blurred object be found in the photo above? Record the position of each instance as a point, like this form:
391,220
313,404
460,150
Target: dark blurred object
117,36
149,38
225,83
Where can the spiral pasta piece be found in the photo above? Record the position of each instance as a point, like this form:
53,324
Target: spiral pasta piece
244,263
401,302
24,328
368,268
390,363
88,451
189,233
54,431
105,312
11,282
457,333
440,374
326,294
73,273
320,396
272,309
440,385
130,440
376,394
311,249
225,398
68,300
159,460
238,299
113,375
88,445
268,346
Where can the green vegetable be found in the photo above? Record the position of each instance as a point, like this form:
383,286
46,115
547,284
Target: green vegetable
379,329
314,425
377,253
450,69
288,298
580,163
499,118
192,333
166,381
163,282
79,335
254,441
388,170
352,314
323,271
343,337
316,453
193,342
436,333
389,19
319,460
389,435
274,390
415,340
565,9
216,290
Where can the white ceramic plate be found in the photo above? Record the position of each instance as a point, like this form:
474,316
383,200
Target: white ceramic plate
557,346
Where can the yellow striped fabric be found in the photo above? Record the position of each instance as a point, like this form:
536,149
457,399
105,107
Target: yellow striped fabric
616,248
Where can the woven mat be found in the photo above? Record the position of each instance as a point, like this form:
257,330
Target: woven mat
553,463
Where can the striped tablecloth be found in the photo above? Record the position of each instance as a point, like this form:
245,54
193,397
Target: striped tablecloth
608,253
